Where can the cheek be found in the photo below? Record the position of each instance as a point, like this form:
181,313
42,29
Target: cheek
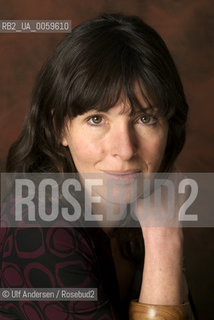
159,146
153,147
85,151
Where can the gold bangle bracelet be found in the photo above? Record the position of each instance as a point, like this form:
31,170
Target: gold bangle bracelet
143,311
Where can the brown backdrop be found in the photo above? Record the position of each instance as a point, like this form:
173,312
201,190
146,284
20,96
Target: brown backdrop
187,28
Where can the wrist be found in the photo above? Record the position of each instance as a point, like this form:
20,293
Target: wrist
163,239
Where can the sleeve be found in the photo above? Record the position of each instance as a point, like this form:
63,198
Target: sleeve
52,258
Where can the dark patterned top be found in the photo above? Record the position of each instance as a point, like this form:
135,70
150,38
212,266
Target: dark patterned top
59,258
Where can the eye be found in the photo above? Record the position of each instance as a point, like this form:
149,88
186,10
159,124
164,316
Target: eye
95,120
147,119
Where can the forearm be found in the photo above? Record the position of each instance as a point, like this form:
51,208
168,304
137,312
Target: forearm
162,281
164,291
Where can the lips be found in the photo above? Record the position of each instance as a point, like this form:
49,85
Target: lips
123,176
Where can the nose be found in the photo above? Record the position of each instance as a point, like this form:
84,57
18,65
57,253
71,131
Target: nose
123,141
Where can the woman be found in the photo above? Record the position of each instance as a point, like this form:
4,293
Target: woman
109,102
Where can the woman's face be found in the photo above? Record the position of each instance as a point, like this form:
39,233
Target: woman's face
115,145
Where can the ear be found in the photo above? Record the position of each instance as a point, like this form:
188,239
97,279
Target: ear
64,141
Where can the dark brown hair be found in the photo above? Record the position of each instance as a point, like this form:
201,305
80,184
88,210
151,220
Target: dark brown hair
90,68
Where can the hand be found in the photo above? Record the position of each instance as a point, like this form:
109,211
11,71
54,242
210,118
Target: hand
163,281
160,202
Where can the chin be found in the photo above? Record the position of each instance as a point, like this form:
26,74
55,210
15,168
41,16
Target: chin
120,193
